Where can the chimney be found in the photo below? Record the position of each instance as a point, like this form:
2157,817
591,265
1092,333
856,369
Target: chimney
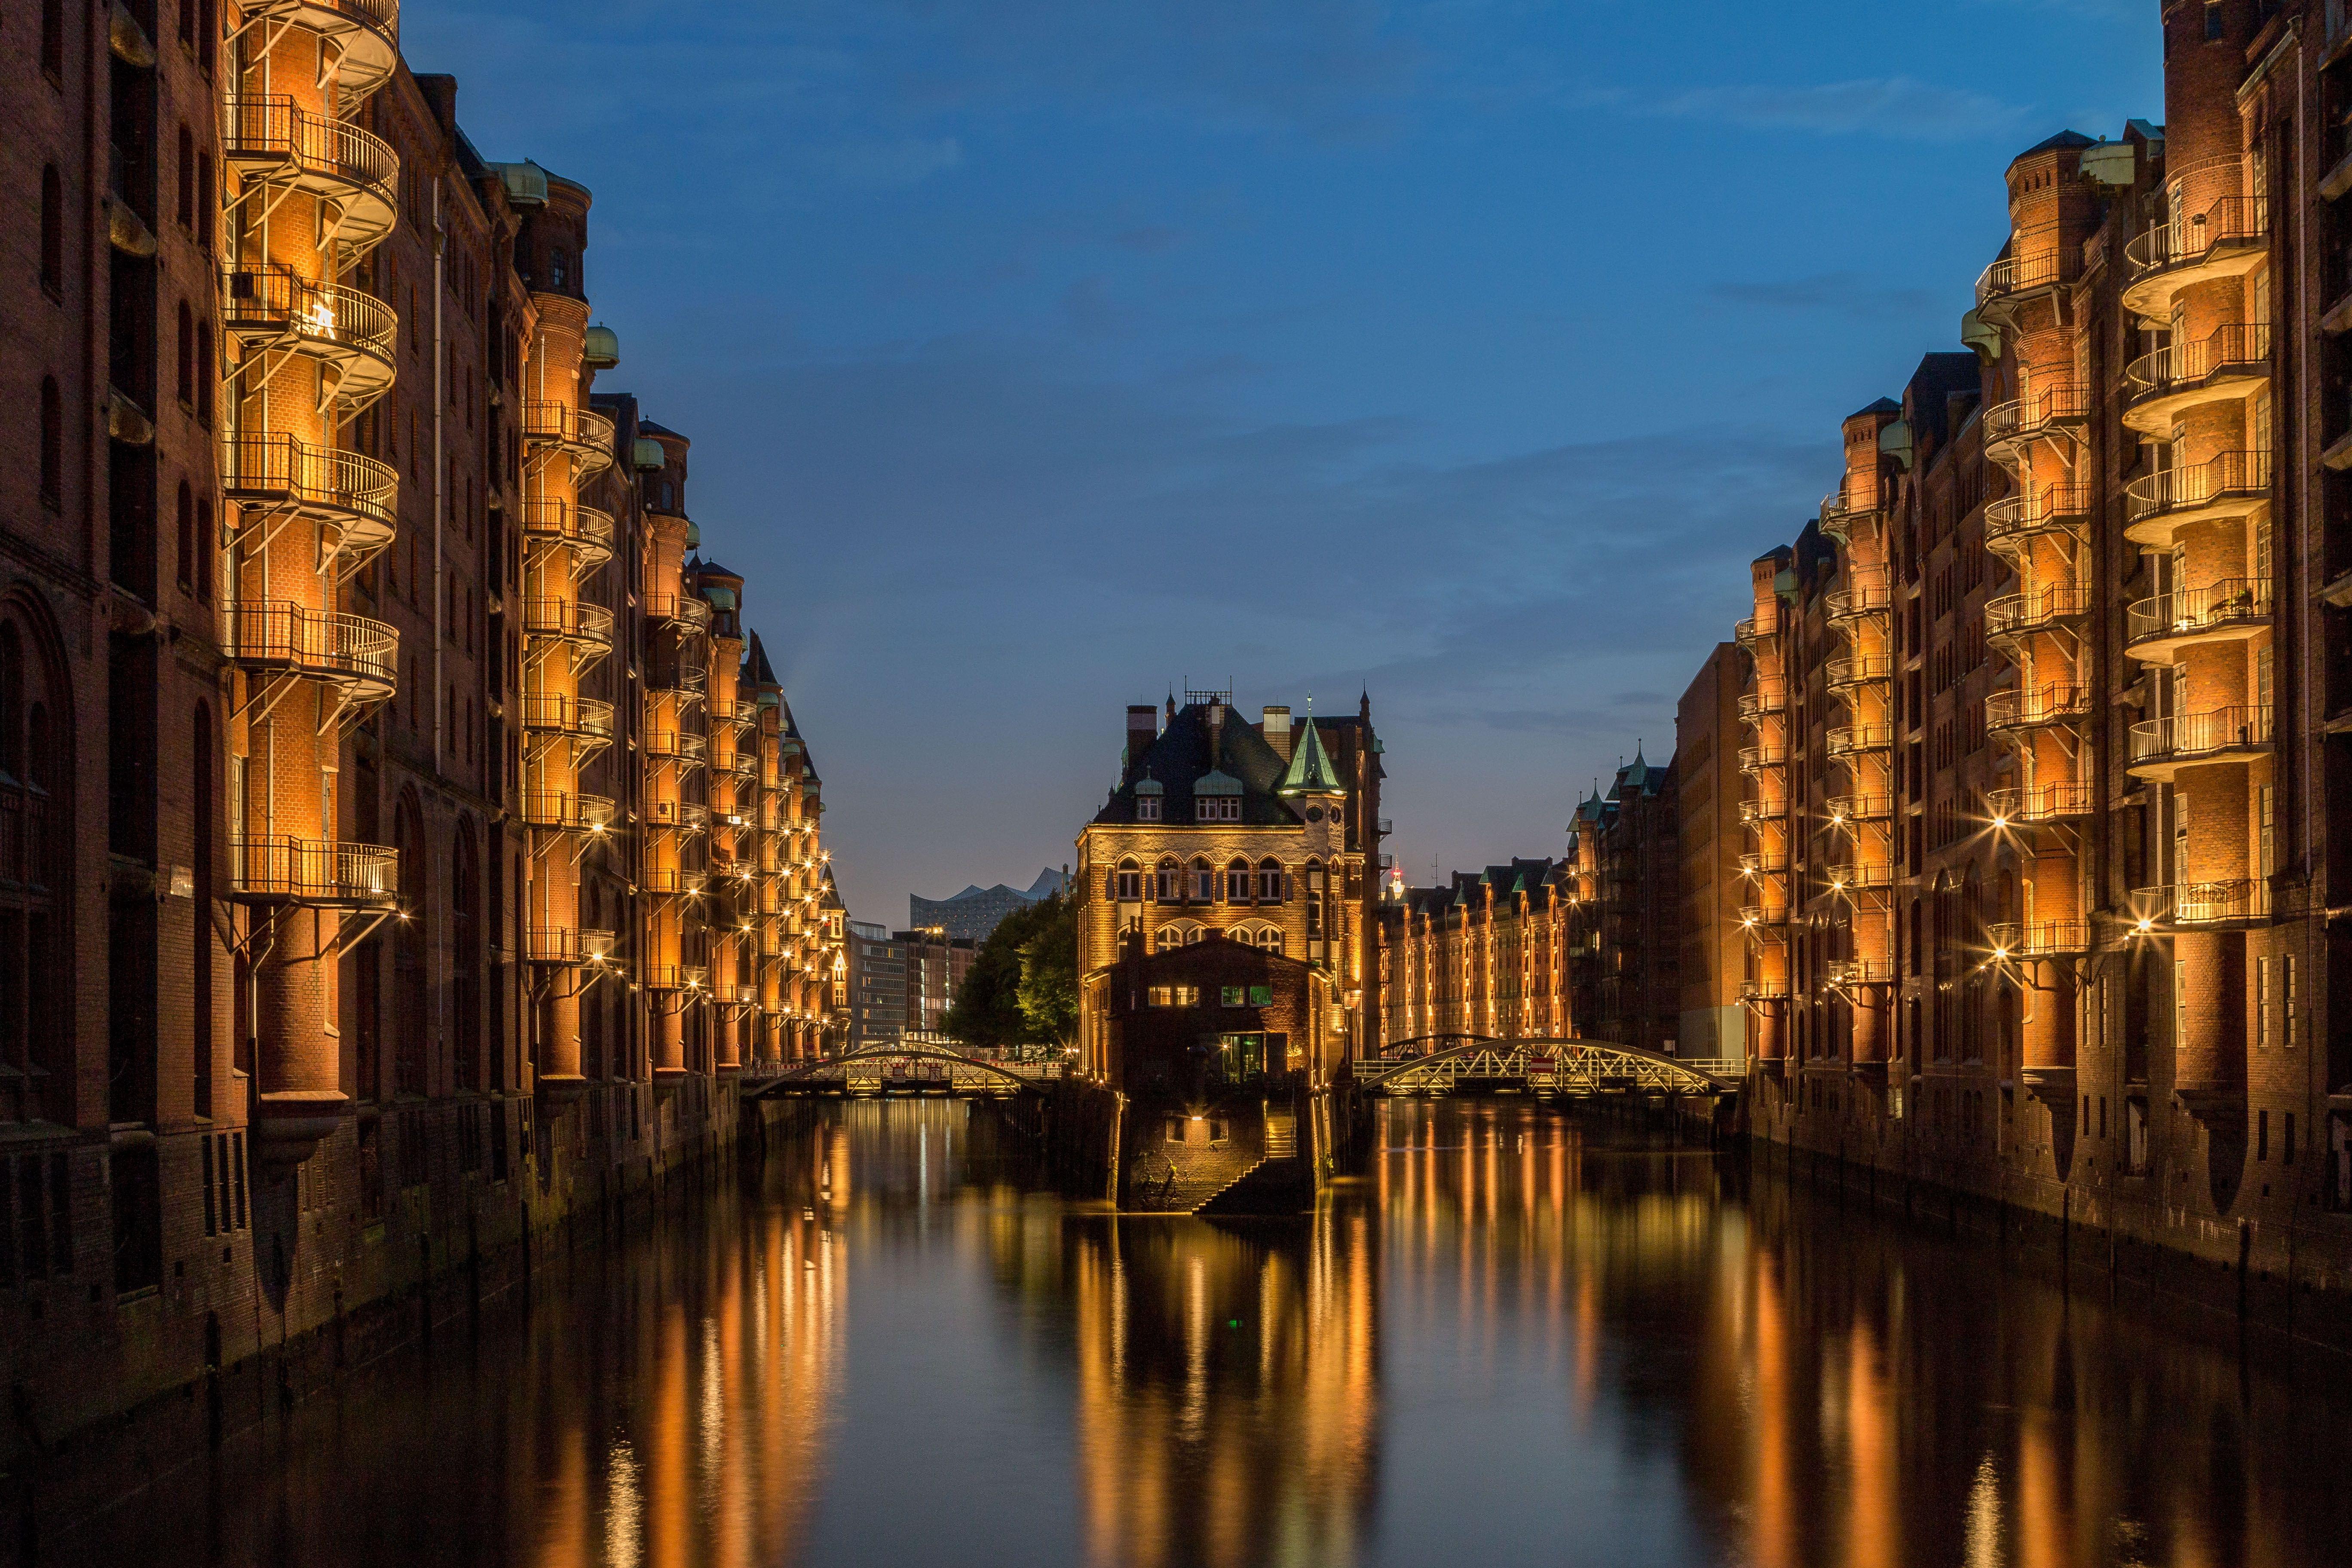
1142,729
1276,728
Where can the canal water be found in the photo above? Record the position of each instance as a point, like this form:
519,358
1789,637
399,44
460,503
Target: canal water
1523,1338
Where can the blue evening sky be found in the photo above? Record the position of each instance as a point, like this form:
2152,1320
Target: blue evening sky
1040,355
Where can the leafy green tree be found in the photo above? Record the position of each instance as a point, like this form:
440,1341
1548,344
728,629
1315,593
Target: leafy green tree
1023,986
1049,973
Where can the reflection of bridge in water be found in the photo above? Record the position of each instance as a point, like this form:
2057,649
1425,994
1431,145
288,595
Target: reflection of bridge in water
945,1070
1479,1064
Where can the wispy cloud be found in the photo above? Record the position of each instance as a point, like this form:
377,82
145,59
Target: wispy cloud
1894,106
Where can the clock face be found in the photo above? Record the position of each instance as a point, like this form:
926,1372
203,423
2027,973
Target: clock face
1314,813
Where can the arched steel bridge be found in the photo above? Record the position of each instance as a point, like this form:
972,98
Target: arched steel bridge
900,1069
1442,1063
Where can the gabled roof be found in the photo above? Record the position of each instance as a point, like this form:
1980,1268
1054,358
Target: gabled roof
1884,405
756,658
2064,140
1179,760
1311,772
1214,783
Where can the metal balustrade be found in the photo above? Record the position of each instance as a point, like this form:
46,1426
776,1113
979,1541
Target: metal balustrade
2234,607
2227,237
2038,939
2055,509
1867,592
690,611
582,435
2227,483
2053,410
584,626
2055,605
2014,276
566,811
2030,709
2235,899
277,635
365,35
2187,737
283,869
1866,806
2054,802
272,139
343,489
350,335
2159,385
1865,669
1853,740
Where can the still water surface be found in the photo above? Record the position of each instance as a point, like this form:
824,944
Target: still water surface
1520,1340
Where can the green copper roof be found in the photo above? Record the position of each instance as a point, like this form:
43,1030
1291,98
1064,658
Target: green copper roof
1218,783
1311,772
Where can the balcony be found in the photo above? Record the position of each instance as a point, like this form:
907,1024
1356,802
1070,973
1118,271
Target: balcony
2009,712
688,612
2229,611
2053,412
1861,876
1762,755
354,176
2227,487
1763,811
2011,940
587,628
2228,364
2014,521
1763,920
365,34
2051,609
1769,696
687,748
668,705
1865,594
352,337
355,498
685,816
1853,504
1766,988
2161,747
2013,279
1864,670
1857,740
359,656
587,719
2244,901
1764,862
1753,632
562,811
563,946
581,435
1845,974
672,881
1867,806
2031,803
2228,239
691,977
279,868
585,530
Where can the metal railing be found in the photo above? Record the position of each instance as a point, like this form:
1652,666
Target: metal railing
1850,501
282,634
2039,938
2238,345
1866,593
565,810
1751,631
2185,736
1862,874
2193,612
2219,904
2021,274
2014,615
1758,917
559,713
383,15
273,128
2022,418
1861,670
280,468
273,300
313,870
1764,862
2032,709
1867,806
2040,803
584,433
1754,810
2053,508
1763,754
1769,988
567,522
568,620
679,745
689,610
1851,739
1861,971
565,944
1769,696
2200,484
2232,220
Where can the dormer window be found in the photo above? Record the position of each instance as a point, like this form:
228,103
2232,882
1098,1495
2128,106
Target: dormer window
1218,808
1146,808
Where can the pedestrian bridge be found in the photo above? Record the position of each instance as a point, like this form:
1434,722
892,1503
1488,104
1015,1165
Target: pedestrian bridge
939,1070
1452,1064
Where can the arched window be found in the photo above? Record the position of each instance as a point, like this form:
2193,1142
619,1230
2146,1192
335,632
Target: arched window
411,996
1130,882
36,739
184,519
188,360
1166,891
53,444
465,954
1269,881
1270,938
1204,881
186,169
1237,882
53,230
53,37
208,551
206,375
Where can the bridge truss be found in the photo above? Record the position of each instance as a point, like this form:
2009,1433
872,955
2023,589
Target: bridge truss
899,1069
1444,1064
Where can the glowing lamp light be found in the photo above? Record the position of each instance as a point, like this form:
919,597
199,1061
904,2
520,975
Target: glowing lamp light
2000,820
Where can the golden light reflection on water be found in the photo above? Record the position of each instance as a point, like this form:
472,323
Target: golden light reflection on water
1518,1337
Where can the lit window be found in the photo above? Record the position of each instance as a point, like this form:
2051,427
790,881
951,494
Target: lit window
1188,995
1229,997
1270,939
1269,882
1217,808
1130,882
1160,997
1166,878
1204,882
1237,882
1260,996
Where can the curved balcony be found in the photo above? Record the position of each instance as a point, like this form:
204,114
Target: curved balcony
588,719
1867,805
2243,901
1762,812
1845,974
354,175
350,336
684,817
685,748
688,977
2037,610
688,612
671,881
2231,610
279,869
666,707
2013,940
565,812
2226,487
566,946
1856,739
1867,594
355,498
1860,874
2010,712
2013,279
1762,755
2053,412
2014,521
2228,239
1864,669
365,34
581,435
737,764
1763,917
2031,803
1769,697
588,629
585,530
2162,747
1753,632
1853,504
359,656
1764,988
1764,862
2227,365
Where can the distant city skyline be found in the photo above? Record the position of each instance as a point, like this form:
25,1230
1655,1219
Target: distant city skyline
1463,354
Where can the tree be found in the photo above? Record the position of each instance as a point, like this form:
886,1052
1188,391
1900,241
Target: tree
1022,988
1049,973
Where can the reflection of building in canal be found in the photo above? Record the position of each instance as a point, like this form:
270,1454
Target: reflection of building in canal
1228,1387
734,1347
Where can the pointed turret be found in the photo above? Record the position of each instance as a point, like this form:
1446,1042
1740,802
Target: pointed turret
1311,772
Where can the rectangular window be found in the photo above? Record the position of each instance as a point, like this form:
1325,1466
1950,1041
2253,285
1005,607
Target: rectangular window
2265,840
1229,995
2261,1004
2179,1003
1260,996
2292,1033
1187,996
1146,808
